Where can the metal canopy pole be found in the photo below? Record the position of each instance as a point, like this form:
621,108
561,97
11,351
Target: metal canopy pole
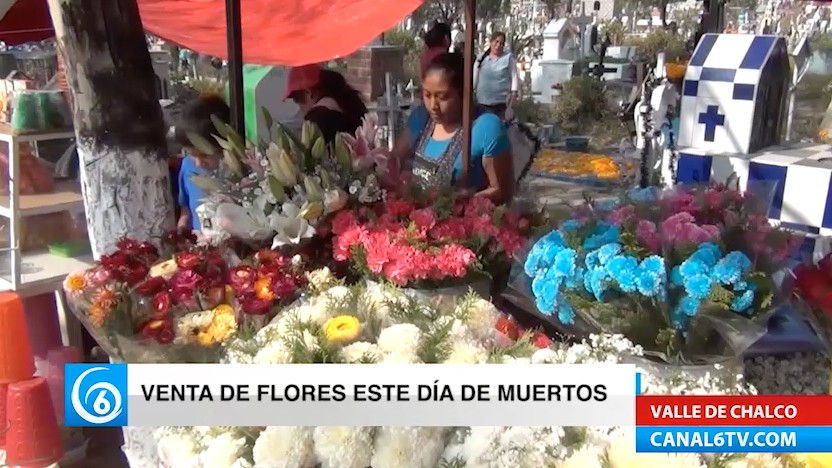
468,89
233,24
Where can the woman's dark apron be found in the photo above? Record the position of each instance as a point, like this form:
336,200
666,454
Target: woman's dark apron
431,173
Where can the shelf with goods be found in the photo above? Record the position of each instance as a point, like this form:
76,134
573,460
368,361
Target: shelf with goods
36,271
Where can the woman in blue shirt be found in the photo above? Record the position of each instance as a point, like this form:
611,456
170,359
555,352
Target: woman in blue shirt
431,144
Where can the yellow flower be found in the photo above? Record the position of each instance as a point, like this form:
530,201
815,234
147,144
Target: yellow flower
823,134
342,329
75,283
205,338
165,269
814,460
223,324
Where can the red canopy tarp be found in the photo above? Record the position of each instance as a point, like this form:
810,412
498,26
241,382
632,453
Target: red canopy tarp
275,32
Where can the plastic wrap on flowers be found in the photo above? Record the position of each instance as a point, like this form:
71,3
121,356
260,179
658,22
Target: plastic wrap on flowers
686,274
480,286
811,288
153,344
728,372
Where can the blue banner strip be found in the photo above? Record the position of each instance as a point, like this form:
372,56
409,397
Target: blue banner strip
724,439
638,383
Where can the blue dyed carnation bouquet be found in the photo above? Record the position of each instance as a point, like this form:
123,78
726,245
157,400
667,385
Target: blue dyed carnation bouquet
686,274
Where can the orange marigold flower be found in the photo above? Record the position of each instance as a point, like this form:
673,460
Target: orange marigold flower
75,282
263,289
98,315
106,299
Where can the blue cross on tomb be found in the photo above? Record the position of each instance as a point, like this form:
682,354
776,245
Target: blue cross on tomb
711,119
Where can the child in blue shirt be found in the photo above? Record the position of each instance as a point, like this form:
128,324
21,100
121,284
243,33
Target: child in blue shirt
196,119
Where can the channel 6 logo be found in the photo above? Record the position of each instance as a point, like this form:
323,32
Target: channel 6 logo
95,395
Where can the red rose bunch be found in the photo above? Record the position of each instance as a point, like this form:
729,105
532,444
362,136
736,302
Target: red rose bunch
269,281
198,283
813,283
405,243
131,262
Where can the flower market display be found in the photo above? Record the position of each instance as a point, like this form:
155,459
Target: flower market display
321,253
385,326
686,273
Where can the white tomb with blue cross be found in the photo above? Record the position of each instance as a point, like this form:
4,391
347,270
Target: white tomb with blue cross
732,117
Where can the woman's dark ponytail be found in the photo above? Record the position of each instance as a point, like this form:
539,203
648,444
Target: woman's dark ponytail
438,35
334,86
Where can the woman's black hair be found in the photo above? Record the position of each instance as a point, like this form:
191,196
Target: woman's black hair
453,65
437,35
196,118
334,86
498,35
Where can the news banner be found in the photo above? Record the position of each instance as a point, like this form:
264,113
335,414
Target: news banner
442,395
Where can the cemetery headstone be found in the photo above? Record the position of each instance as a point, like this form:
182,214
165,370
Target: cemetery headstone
558,64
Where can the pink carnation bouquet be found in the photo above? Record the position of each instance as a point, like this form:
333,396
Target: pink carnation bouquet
441,242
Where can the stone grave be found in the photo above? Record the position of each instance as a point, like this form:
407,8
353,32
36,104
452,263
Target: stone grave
733,114
559,62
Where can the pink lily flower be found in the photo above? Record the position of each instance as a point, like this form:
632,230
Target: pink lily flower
362,144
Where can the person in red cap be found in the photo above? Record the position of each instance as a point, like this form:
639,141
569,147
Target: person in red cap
326,99
437,41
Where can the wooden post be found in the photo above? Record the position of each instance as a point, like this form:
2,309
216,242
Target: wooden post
468,87
119,125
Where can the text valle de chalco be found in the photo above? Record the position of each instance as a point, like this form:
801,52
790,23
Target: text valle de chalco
375,392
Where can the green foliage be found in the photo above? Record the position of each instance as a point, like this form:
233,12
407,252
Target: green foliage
528,111
435,346
582,102
615,31
658,41
522,348
456,462
822,43
412,46
325,352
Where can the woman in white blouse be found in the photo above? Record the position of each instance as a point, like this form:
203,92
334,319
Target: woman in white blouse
496,78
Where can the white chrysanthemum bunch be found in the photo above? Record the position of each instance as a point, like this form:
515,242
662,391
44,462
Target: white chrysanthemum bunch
375,324
368,324
202,447
568,447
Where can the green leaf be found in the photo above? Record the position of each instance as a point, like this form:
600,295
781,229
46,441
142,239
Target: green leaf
267,119
202,145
